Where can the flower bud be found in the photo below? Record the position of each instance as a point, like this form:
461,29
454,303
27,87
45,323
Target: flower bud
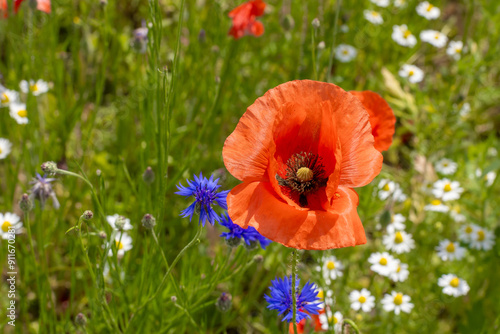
173,299
25,203
288,23
321,45
49,167
148,221
81,319
258,258
233,242
149,176
251,245
103,235
87,215
224,302
315,23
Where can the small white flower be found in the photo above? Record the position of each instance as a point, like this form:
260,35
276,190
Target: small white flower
412,72
5,148
403,36
465,110
9,221
466,233
123,243
482,239
453,286
397,302
35,87
373,16
326,318
386,187
492,152
447,190
489,177
448,250
457,216
446,166
401,273
112,221
399,196
399,242
362,300
434,38
397,223
325,299
383,263
436,206
381,3
331,268
344,28
428,11
8,96
399,3
345,53
18,112
455,49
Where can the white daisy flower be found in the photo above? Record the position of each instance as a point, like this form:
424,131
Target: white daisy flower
401,273
399,242
489,177
362,300
428,11
482,239
331,268
399,3
465,110
18,112
35,87
448,250
326,299
5,148
434,38
397,223
466,232
123,243
373,16
326,318
8,96
412,72
345,53
455,49
447,190
112,221
453,286
399,196
446,166
386,187
397,302
456,215
9,221
383,263
381,3
436,206
403,36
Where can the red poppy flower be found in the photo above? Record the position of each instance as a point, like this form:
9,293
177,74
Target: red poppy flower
4,9
299,150
43,5
244,22
382,118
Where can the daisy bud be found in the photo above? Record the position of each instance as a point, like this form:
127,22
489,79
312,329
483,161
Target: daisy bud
81,319
49,167
315,23
87,215
148,221
321,45
288,23
25,203
120,223
148,176
258,258
103,235
224,302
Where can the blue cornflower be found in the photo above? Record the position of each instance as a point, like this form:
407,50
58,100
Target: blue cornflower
42,190
205,193
250,235
281,299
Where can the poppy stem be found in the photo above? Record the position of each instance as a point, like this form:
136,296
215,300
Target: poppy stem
294,291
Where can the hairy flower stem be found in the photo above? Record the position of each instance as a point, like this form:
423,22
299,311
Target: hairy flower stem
352,325
294,290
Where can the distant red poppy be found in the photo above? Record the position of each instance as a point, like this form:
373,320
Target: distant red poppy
244,22
299,150
382,118
43,5
4,9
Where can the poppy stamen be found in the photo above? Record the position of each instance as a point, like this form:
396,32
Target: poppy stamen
303,174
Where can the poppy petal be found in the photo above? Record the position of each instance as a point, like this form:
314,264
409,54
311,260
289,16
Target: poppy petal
44,6
255,204
382,119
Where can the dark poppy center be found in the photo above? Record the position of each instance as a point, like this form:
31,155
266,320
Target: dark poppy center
302,175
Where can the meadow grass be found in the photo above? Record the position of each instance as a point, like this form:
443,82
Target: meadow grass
112,111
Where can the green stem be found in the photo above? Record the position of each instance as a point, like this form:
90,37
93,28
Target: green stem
332,51
350,323
294,290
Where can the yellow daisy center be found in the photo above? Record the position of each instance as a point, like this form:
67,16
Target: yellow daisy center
330,265
335,320
374,14
436,202
480,235
407,34
321,294
305,174
447,187
468,230
362,299
399,269
4,98
398,238
429,8
398,300
345,51
458,50
5,226
119,245
22,113
383,261
445,164
411,73
386,187
0,150
454,282
450,248
436,36
34,88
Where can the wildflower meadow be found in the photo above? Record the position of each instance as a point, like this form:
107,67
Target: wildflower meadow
222,166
